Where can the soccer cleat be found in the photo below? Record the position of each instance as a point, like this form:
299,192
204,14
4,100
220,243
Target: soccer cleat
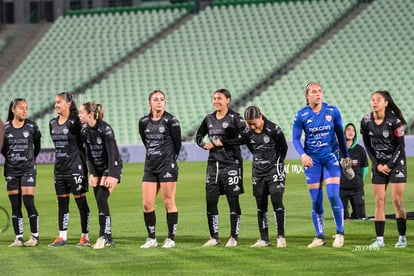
168,243
32,242
281,242
100,243
339,241
232,242
17,243
261,243
212,242
83,242
401,243
58,242
149,243
317,242
377,244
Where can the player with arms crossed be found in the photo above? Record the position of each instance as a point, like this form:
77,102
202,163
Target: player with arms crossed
322,125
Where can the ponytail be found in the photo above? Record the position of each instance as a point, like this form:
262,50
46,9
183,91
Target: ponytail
392,107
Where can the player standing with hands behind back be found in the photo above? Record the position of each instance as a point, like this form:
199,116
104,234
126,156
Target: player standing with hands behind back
20,149
160,132
383,134
322,125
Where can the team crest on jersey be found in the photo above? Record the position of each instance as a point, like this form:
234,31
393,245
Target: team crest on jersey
328,118
161,129
25,134
99,140
225,124
65,130
266,139
385,133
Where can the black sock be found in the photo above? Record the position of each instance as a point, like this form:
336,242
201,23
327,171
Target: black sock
280,221
28,201
84,213
379,228
172,219
213,225
63,212
401,226
235,225
263,222
17,216
150,221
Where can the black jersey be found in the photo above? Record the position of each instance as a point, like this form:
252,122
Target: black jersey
162,141
228,130
69,155
359,161
269,149
101,150
21,147
385,142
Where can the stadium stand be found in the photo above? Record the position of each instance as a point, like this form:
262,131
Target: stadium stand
73,51
368,54
236,44
230,46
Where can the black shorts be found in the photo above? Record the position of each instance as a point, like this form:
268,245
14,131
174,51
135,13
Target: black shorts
169,175
397,175
224,179
117,173
14,182
76,184
268,185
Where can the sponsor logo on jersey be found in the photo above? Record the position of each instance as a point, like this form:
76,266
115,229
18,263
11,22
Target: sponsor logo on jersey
266,139
308,121
146,130
25,134
10,135
385,133
167,175
328,118
232,173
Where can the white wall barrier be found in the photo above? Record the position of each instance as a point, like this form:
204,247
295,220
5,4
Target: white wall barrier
189,152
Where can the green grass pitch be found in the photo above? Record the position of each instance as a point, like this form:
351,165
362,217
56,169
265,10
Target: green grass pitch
189,257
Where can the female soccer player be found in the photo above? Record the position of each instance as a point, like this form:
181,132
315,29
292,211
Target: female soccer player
104,163
160,132
268,144
383,134
71,175
322,125
352,189
224,173
20,149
